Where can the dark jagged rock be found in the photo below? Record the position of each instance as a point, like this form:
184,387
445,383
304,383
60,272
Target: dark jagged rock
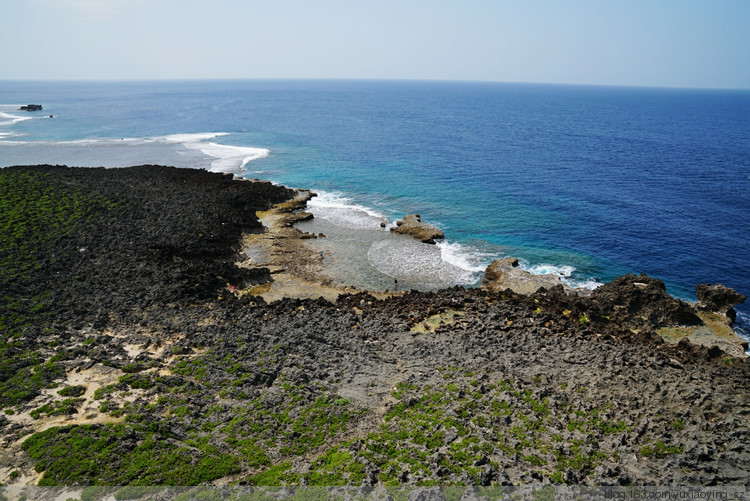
642,302
455,386
719,299
169,235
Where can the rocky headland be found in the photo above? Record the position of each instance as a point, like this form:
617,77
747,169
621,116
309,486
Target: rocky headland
640,303
137,348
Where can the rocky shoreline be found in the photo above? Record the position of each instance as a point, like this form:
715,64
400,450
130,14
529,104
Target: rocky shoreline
138,348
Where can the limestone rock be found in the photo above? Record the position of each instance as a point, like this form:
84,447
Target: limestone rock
504,274
412,225
719,299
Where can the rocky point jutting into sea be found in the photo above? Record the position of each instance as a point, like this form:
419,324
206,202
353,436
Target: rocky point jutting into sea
143,343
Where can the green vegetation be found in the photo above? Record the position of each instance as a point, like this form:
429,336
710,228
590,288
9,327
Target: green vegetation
460,431
67,406
36,208
24,374
241,428
660,450
36,211
122,454
72,391
434,435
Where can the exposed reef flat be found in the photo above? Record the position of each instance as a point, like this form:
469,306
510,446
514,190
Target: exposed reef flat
296,270
136,351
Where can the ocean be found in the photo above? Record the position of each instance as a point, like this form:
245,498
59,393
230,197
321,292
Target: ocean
582,181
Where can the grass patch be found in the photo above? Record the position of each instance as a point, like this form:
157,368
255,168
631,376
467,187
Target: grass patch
661,450
121,454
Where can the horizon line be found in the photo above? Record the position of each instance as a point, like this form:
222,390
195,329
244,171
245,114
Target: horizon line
362,79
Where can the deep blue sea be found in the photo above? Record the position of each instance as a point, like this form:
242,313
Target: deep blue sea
587,182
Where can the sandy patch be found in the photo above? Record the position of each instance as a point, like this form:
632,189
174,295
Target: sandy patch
133,350
87,412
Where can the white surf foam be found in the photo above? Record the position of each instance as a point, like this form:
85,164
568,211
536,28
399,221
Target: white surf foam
565,272
562,271
170,139
229,158
416,263
342,211
742,327
463,256
447,263
183,150
10,119
581,284
413,263
191,138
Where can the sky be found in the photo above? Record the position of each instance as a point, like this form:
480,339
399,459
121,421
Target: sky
663,43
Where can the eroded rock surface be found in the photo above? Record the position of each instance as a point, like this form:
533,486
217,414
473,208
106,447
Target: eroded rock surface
412,225
642,302
505,274
719,299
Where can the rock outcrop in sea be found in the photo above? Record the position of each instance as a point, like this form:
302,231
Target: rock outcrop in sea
412,225
642,302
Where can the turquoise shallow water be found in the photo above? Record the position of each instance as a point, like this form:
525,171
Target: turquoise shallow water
587,182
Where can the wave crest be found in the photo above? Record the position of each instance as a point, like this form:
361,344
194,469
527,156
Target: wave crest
341,211
417,264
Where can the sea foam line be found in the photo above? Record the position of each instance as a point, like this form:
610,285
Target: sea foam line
415,262
463,256
338,200
11,119
742,326
340,210
229,158
564,271
190,137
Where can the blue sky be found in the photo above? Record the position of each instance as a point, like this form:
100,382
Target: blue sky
671,43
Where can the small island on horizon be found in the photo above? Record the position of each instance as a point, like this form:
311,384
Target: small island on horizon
165,326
